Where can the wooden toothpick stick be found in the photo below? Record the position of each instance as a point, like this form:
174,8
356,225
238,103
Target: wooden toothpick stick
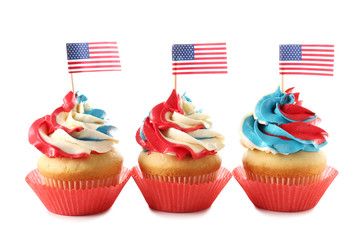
282,83
72,83
175,81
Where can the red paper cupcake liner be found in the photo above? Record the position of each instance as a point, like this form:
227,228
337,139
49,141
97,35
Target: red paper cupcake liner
180,197
76,202
285,181
106,182
206,178
285,198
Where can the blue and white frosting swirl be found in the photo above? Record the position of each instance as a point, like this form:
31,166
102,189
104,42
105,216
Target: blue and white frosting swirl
272,129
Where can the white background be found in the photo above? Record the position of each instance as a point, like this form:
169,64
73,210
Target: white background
34,79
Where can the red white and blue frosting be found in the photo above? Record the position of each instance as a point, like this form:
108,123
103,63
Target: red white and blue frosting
73,130
174,127
281,125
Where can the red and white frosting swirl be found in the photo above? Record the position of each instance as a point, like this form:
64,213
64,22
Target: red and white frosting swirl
175,127
73,130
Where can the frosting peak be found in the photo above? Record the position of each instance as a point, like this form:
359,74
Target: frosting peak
73,130
175,127
281,125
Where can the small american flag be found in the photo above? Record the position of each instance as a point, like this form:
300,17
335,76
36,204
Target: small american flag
201,58
302,59
93,57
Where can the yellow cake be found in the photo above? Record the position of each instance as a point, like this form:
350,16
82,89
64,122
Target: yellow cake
166,167
296,165
94,167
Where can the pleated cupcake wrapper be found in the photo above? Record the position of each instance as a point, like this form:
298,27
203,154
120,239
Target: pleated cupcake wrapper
180,197
283,197
187,180
76,202
284,181
106,182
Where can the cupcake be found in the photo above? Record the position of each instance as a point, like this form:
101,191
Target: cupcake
283,140
283,144
78,149
178,145
179,149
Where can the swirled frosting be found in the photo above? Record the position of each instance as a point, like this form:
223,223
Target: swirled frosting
281,125
73,130
175,127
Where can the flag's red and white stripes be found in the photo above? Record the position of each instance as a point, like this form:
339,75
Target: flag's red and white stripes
210,58
316,60
103,56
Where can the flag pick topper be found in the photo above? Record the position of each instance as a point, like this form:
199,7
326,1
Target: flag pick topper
306,59
93,57
199,58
